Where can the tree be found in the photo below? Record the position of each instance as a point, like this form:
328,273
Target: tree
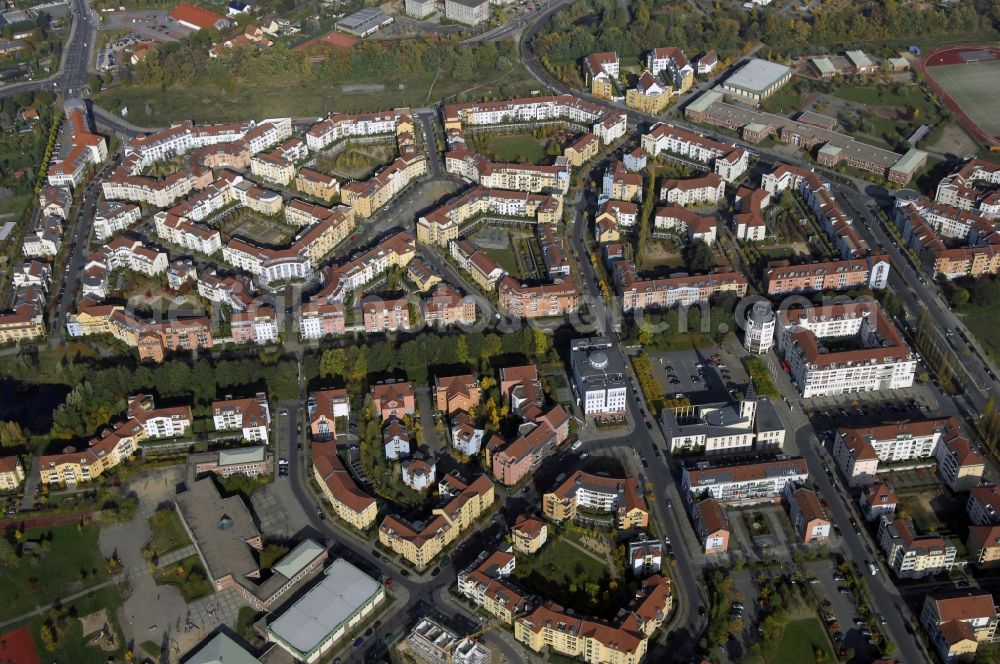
462,350
48,637
698,256
11,435
7,553
542,344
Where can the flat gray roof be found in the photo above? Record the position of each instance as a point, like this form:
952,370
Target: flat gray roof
298,558
343,591
222,650
241,455
221,528
362,18
757,75
910,161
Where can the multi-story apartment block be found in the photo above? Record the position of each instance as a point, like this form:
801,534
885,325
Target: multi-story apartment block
486,584
583,150
395,439
732,165
511,462
159,422
598,377
959,463
273,167
807,514
983,543
112,217
359,125
103,453
691,224
420,543
666,292
878,500
257,325
45,239
32,273
673,66
24,322
872,271
456,393
541,301
316,184
601,73
367,197
622,216
962,188
649,95
711,525
668,138
251,416
607,124
880,361
529,534
446,306
11,473
350,504
620,184
708,189
444,224
910,555
55,201
748,224
86,148
744,482
469,12
393,399
620,497
516,177
325,406
958,622
465,436
381,315
645,556
234,291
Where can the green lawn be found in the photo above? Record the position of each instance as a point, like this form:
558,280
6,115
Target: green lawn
13,207
168,532
67,564
505,258
907,97
784,101
70,644
800,639
984,323
212,104
523,148
188,576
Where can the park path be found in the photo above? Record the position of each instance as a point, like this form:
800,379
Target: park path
62,600
612,567
174,556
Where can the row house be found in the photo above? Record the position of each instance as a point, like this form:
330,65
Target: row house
523,301
112,217
443,224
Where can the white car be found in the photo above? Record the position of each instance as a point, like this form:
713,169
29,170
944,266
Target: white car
575,446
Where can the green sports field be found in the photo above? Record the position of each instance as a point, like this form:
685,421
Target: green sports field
973,86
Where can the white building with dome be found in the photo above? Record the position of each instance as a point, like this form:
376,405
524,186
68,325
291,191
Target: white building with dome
598,377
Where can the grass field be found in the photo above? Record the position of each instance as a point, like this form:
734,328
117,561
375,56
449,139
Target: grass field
562,572
973,87
71,646
212,104
984,323
800,639
168,532
70,562
907,97
523,148
13,207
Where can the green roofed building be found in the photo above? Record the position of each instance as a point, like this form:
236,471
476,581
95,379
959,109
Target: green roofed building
221,649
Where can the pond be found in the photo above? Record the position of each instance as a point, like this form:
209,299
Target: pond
30,404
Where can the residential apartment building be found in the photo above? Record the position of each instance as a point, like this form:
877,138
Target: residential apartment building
621,498
645,556
582,150
86,148
541,301
620,184
445,224
381,315
601,74
705,190
446,306
349,503
11,473
394,399
456,393
257,325
649,95
912,556
113,217
808,515
881,359
666,292
250,416
672,66
469,12
273,167
744,483
711,525
872,271
247,461
324,407
622,216
316,184
420,543
510,462
529,534
341,126
108,450
724,428
692,225
878,500
365,198
515,177
958,622
664,137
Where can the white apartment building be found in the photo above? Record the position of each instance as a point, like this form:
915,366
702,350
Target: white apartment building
251,416
186,234
912,556
732,165
724,428
708,189
668,138
598,377
744,483
880,361
340,126
758,336
607,124
272,167
113,216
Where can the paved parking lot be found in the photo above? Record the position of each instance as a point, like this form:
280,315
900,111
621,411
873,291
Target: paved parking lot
679,373
746,592
149,23
842,607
